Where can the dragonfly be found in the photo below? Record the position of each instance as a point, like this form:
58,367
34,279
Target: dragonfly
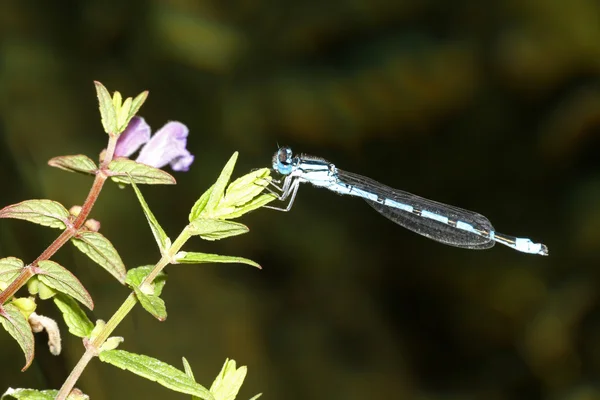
437,221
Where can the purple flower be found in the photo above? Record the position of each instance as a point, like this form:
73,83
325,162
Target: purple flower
167,146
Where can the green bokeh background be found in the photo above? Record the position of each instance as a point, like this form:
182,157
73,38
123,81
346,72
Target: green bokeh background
490,106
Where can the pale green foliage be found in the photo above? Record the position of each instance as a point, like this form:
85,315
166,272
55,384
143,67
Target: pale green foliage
76,163
184,257
43,212
148,296
157,371
30,394
215,229
108,114
227,384
160,236
209,218
26,305
15,323
101,250
116,114
60,279
10,267
124,171
242,196
111,343
44,292
75,318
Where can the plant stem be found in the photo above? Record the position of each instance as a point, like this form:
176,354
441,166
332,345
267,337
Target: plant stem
110,151
67,234
15,285
114,321
75,373
175,247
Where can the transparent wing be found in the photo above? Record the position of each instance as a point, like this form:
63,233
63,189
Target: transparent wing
436,230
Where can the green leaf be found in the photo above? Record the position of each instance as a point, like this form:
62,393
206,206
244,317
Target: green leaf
184,257
256,397
240,197
45,292
43,212
252,205
148,296
58,277
137,103
219,187
117,101
10,268
188,371
123,115
25,304
215,229
187,368
101,250
17,326
78,322
228,382
200,204
30,394
111,343
136,276
160,236
35,286
123,170
98,328
246,188
108,113
75,163
125,110
153,304
157,371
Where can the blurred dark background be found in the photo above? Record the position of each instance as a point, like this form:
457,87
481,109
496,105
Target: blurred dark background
490,106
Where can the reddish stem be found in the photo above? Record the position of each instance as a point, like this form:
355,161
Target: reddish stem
68,233
15,285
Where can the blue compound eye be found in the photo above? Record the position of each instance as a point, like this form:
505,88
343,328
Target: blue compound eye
282,161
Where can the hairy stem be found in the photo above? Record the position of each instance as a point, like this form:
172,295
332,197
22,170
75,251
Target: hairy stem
75,373
15,285
110,151
67,234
